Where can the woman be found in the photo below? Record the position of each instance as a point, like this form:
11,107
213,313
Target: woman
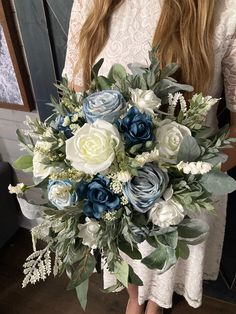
199,35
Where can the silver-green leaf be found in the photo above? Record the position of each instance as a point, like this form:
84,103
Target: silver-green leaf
218,183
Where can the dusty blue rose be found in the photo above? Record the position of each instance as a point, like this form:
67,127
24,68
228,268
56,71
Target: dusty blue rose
107,105
61,194
139,233
98,197
146,188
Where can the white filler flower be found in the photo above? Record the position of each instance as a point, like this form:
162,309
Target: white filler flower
89,232
41,164
18,189
92,148
166,213
194,168
123,176
170,136
145,100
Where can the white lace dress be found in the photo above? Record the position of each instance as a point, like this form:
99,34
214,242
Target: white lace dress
132,29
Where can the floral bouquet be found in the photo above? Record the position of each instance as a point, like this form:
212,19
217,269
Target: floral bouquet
127,161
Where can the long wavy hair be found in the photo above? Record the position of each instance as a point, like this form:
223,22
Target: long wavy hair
184,32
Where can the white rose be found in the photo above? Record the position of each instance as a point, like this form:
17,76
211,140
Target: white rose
145,100
166,213
41,166
92,148
169,136
89,233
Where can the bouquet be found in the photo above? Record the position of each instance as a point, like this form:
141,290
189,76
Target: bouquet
128,160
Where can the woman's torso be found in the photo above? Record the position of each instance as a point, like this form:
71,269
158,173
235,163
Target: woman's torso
132,29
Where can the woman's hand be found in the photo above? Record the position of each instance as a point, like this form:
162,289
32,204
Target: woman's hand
231,152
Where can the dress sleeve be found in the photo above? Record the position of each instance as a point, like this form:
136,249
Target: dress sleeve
79,12
229,72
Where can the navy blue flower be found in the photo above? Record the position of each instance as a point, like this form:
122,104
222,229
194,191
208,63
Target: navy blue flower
65,129
137,128
98,197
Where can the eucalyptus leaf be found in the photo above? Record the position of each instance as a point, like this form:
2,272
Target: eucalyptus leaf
83,271
169,70
134,278
113,288
218,183
24,163
96,68
167,86
121,272
103,83
192,228
161,259
216,160
117,73
131,252
137,68
82,292
182,250
189,149
170,239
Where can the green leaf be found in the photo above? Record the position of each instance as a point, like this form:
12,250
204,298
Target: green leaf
182,249
136,68
112,288
218,183
166,86
216,160
193,228
131,252
24,162
189,150
103,82
82,292
83,271
169,70
117,73
134,278
169,239
121,272
161,259
96,68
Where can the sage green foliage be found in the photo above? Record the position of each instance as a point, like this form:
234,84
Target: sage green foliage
151,77
189,150
68,100
82,291
196,114
218,183
192,195
24,163
172,243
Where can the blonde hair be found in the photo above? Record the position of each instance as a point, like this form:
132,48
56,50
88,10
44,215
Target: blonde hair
184,31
